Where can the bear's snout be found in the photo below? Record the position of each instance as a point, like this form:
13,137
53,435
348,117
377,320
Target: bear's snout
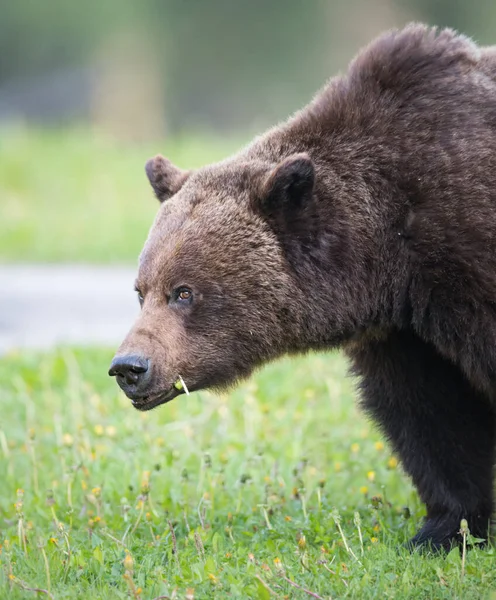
132,373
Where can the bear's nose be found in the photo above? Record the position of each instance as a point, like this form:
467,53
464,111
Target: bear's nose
129,369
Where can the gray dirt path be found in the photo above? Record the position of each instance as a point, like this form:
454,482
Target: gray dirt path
44,306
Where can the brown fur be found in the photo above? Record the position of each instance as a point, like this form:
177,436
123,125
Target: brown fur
367,220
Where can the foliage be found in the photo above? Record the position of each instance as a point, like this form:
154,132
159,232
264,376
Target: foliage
218,63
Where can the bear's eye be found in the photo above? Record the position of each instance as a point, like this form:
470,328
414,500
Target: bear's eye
183,295
140,297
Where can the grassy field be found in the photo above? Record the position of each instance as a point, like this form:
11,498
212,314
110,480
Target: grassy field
73,196
279,490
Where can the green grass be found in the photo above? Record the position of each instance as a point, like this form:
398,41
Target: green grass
210,496
73,196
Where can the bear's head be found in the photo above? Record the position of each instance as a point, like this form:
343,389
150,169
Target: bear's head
217,284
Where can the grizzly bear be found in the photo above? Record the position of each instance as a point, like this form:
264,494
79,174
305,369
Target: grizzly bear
366,221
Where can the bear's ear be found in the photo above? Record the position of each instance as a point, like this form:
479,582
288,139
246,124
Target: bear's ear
165,178
286,195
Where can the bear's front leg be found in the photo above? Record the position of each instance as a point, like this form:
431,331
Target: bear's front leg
441,427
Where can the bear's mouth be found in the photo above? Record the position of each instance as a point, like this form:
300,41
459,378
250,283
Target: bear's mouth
144,403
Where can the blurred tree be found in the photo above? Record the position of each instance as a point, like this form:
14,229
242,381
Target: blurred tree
217,63
39,36
226,59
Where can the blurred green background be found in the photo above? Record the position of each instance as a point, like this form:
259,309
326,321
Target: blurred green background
88,91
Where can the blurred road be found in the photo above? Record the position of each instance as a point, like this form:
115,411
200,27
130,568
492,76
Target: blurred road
42,306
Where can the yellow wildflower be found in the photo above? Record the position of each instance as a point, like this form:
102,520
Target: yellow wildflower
128,562
392,462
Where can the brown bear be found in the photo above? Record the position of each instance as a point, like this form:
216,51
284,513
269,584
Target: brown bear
367,221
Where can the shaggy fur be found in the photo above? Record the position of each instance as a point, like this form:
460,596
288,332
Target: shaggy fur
366,221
